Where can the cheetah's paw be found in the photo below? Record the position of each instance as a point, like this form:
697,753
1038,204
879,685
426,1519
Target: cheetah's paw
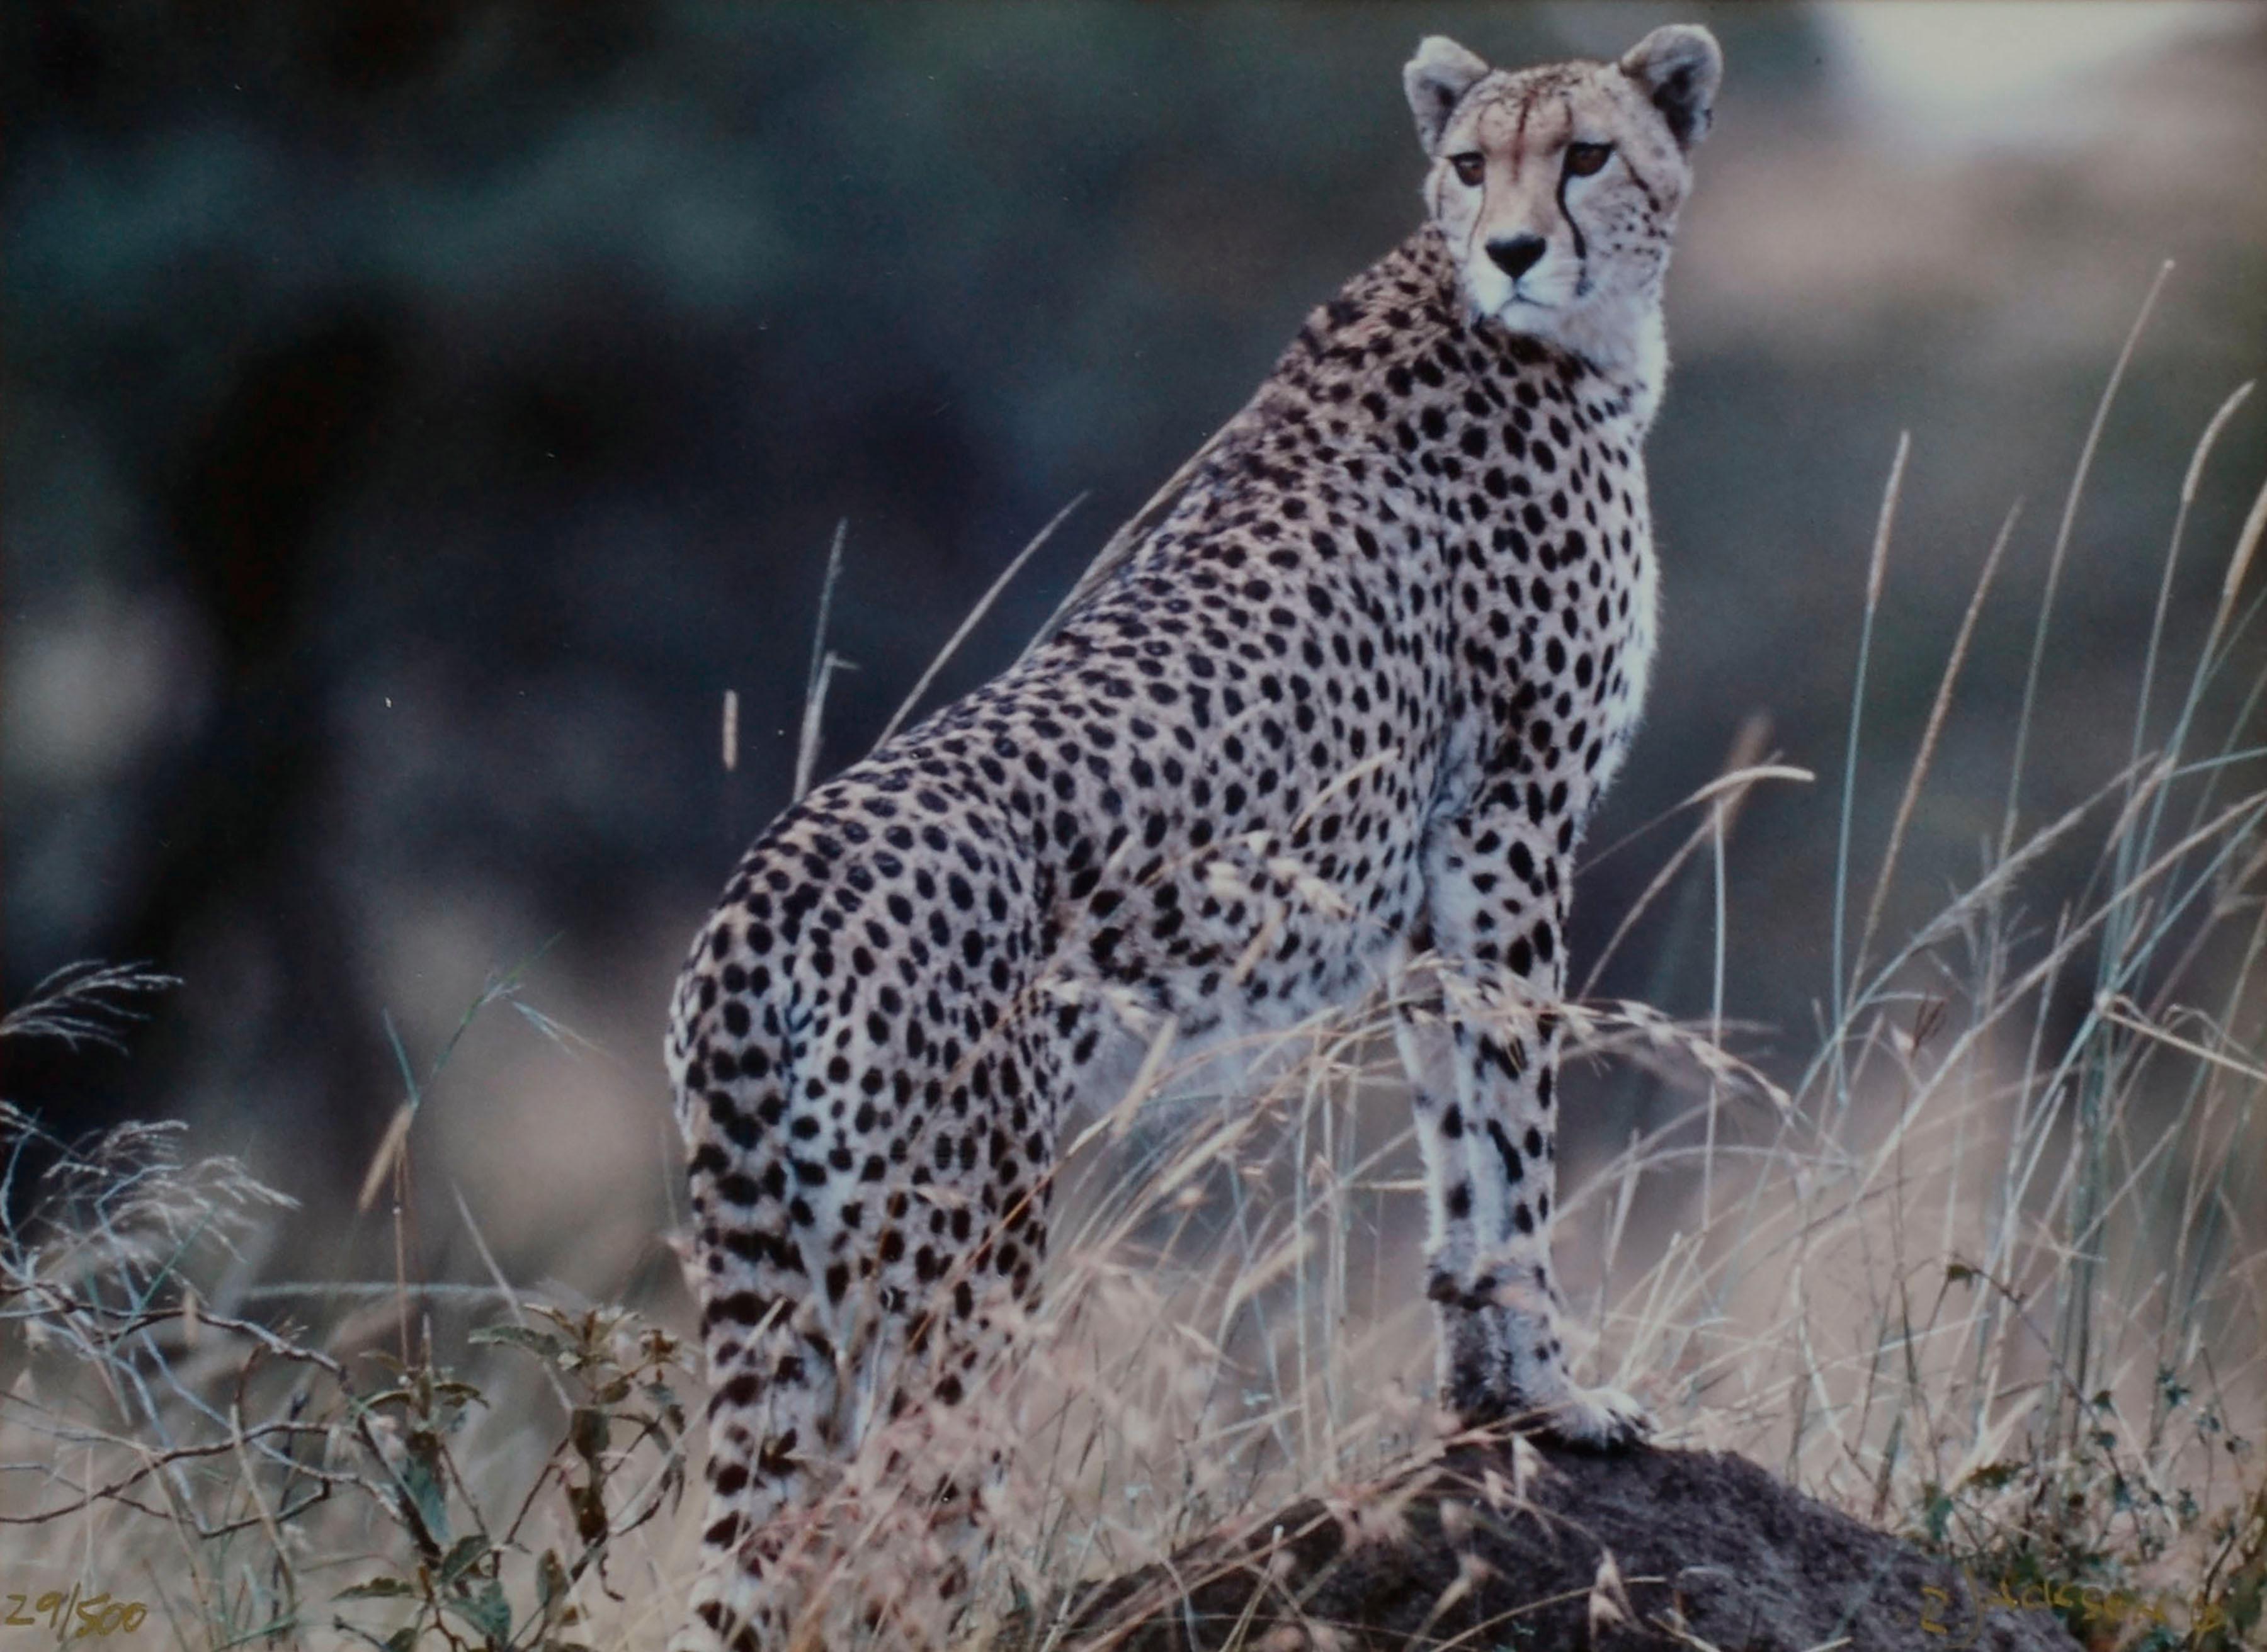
1596,1420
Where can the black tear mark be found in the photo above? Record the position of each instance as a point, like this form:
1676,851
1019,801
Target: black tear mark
1582,246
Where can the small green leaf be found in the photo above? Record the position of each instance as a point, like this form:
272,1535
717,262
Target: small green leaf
551,1584
548,1343
487,1611
467,1552
422,1482
380,1589
1992,1476
588,1432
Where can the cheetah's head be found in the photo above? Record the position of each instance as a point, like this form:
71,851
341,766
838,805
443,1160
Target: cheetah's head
1557,188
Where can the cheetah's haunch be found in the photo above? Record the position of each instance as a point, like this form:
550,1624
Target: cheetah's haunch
1393,626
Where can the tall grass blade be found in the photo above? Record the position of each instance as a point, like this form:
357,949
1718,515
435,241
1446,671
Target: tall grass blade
1875,566
974,617
2061,549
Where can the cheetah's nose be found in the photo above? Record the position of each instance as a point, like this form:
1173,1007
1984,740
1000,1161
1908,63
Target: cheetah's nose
1517,255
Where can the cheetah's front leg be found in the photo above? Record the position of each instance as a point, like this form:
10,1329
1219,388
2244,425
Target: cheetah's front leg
1482,1057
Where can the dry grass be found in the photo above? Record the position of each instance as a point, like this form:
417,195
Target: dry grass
1989,1271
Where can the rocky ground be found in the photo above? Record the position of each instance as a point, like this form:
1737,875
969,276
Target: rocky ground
1506,1546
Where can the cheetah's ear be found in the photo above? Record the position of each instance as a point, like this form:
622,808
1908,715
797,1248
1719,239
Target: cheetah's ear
1440,75
1678,68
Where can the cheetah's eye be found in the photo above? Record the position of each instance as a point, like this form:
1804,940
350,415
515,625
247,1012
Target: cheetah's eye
1582,159
1469,168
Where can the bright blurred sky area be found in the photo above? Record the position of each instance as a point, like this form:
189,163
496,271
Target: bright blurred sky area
1953,73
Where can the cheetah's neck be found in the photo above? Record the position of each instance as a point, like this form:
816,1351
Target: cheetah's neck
1623,340
1626,342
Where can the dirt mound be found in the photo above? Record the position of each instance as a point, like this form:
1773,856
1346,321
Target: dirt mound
1509,1547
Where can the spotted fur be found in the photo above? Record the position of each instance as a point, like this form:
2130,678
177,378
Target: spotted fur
1331,718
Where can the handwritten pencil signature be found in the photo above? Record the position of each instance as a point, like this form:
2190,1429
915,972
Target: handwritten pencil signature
2115,1604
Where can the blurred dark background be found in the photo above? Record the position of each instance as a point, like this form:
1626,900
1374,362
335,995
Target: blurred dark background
418,414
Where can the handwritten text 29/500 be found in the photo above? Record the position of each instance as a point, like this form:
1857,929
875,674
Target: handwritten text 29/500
70,1617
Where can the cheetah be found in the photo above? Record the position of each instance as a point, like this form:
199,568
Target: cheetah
1328,716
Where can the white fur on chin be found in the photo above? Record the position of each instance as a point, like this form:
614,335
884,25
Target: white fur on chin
1624,338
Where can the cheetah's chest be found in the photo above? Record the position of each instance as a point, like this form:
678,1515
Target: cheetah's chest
1552,573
